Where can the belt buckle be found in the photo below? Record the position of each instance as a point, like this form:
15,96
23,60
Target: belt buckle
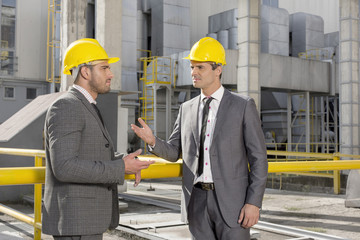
207,186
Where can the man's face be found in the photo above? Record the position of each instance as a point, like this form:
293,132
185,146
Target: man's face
100,78
204,76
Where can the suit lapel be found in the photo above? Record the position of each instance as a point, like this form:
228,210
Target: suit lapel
91,109
222,111
194,109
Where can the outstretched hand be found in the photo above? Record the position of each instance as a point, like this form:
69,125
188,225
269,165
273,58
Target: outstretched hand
134,166
145,133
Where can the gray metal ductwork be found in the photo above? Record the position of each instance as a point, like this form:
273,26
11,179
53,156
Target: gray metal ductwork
307,32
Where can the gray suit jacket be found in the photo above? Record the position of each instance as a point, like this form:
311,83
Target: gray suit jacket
238,142
81,180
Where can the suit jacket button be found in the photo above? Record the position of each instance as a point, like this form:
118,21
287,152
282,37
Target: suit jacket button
107,145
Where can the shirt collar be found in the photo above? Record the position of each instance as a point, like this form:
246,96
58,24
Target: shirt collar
217,95
85,93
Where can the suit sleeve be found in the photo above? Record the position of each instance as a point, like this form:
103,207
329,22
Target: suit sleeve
171,149
65,124
256,153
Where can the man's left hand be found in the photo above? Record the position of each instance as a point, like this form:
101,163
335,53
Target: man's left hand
249,215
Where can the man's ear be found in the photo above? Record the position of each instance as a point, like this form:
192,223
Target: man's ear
85,72
219,70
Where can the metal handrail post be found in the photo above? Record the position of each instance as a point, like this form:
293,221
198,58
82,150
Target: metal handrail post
37,202
336,177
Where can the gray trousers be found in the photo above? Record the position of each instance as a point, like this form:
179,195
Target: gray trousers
206,222
82,237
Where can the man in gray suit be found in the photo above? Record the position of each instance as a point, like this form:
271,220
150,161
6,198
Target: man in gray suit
219,137
82,169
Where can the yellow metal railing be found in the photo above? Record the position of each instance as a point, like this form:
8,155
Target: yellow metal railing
315,147
33,175
317,54
161,169
313,164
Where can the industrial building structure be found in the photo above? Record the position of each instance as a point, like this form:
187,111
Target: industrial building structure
299,61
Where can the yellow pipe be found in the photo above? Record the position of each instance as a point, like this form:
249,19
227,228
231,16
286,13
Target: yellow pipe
336,177
294,159
309,154
311,174
37,202
301,154
313,166
31,175
160,170
20,216
41,153
22,175
346,155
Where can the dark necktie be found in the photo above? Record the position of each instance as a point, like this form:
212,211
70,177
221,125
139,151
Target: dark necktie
202,135
98,113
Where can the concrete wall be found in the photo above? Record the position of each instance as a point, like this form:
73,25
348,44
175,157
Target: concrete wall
73,27
30,49
31,32
129,46
11,106
276,72
279,72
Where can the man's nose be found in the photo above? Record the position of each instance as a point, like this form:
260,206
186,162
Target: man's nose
193,72
111,75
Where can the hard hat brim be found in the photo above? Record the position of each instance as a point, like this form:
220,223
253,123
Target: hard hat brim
202,60
109,60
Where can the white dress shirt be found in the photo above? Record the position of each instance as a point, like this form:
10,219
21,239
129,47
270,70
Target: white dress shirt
213,109
85,93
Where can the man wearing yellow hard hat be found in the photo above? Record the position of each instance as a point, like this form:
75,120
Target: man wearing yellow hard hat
219,137
82,168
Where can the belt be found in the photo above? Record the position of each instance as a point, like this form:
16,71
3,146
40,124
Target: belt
205,186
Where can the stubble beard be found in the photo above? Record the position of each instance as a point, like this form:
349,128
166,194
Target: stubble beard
99,89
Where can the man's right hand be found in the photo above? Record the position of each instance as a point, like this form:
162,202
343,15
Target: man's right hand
145,133
134,166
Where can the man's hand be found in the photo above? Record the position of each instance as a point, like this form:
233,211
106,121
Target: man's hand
145,133
249,215
134,166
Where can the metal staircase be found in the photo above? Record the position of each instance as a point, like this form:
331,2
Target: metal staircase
157,73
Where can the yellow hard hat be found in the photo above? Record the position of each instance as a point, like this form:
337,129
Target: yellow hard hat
207,49
84,51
